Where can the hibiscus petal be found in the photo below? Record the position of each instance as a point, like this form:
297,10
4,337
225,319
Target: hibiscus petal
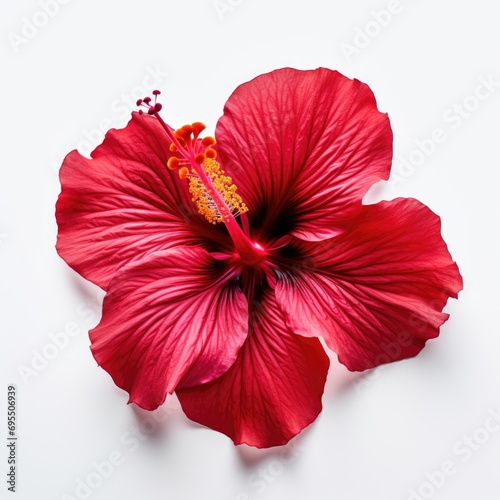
174,319
124,203
376,292
302,146
272,391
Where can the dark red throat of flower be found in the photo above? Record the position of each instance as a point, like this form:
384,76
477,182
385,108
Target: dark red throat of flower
213,192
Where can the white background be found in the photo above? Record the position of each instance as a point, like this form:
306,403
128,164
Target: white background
379,436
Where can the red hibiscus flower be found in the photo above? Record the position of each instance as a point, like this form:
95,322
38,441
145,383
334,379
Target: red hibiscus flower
219,292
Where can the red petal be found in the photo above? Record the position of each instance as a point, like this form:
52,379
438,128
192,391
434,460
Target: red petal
124,203
171,320
302,146
272,391
376,292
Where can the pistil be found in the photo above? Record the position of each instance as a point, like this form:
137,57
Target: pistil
213,192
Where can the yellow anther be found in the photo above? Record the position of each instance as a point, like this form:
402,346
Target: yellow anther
221,183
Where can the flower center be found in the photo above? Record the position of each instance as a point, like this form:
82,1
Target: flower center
213,192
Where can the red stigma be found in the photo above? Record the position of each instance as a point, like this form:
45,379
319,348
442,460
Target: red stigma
152,108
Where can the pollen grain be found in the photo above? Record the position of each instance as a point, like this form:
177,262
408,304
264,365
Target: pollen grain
221,183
